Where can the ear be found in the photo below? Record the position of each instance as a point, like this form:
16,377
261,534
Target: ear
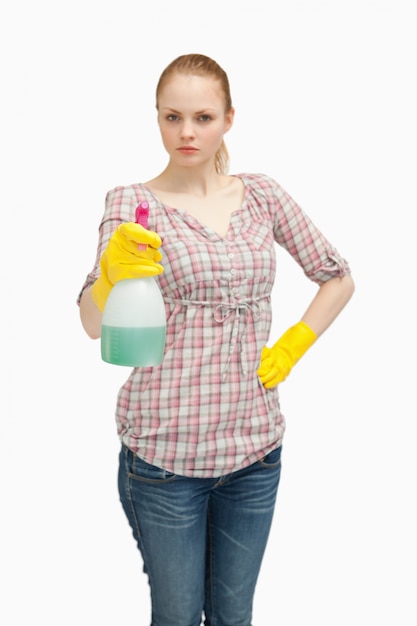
228,120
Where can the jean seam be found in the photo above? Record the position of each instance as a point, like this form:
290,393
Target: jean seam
210,566
153,481
129,495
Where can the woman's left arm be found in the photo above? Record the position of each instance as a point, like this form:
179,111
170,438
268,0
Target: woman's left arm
277,362
321,262
329,301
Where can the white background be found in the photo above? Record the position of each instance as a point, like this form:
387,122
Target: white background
325,103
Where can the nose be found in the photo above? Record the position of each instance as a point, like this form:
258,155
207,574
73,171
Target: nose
187,129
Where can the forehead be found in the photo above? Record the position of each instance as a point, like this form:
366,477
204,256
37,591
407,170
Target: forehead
190,91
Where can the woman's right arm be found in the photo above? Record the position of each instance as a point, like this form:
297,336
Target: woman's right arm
132,252
90,315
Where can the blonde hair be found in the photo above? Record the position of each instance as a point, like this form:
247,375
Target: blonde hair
201,65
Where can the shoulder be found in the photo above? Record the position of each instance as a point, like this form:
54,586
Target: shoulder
122,200
263,185
260,182
123,192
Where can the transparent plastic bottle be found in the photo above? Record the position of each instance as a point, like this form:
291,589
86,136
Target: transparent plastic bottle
134,322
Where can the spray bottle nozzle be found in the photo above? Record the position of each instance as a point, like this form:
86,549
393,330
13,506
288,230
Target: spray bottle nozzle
142,215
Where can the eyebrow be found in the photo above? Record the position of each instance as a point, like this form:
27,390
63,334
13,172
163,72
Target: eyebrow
207,110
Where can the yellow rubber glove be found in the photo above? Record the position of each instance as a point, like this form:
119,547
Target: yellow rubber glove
124,258
277,362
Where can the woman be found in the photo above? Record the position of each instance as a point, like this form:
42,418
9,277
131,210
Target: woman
201,434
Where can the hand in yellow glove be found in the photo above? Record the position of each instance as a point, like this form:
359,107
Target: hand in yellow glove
277,362
132,252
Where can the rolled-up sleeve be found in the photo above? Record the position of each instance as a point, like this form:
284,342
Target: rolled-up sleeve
297,234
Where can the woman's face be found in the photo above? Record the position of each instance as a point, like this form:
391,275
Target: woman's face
192,119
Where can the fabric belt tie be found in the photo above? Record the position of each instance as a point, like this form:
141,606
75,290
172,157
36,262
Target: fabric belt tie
222,312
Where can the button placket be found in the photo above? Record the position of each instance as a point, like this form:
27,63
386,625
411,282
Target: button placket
233,271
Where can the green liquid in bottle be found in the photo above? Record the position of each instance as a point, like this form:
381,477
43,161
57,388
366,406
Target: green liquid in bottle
136,347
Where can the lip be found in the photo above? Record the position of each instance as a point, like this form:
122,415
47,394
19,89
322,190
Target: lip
187,149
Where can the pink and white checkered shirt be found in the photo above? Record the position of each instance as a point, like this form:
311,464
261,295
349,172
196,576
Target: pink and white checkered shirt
204,412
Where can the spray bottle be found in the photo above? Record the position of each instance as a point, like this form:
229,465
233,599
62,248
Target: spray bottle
134,322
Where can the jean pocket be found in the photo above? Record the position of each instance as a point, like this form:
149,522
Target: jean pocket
138,469
273,459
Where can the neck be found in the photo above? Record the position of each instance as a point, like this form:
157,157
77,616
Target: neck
196,181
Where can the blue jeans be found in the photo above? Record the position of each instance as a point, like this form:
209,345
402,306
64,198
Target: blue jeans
202,539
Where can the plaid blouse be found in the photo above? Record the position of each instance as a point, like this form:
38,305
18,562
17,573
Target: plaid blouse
204,412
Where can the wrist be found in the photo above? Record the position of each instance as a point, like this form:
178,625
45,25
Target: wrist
100,292
296,340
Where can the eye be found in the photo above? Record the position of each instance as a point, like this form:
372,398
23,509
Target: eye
172,118
205,118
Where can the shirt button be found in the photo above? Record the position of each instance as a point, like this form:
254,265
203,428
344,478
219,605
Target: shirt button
230,255
232,271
